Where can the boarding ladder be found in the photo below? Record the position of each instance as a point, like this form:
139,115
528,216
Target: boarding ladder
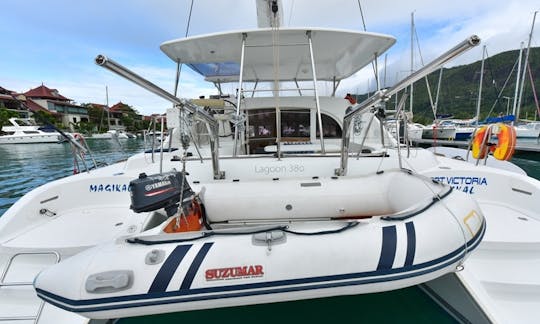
11,289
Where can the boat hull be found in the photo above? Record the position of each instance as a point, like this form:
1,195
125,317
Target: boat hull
439,133
251,264
256,286
531,130
528,134
463,134
30,139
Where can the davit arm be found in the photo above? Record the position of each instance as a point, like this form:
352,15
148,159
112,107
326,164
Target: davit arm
386,94
197,112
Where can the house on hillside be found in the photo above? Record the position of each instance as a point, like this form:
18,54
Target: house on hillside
120,116
116,113
156,117
123,116
100,116
8,100
52,101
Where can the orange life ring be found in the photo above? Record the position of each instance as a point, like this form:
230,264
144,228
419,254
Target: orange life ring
479,142
506,141
190,221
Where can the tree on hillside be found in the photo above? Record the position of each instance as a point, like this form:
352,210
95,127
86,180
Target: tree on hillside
44,117
97,118
131,118
459,88
5,115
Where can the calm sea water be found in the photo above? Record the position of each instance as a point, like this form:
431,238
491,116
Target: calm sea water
27,166
24,167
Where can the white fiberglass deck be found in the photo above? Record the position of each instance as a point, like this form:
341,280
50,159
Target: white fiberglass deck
72,228
505,268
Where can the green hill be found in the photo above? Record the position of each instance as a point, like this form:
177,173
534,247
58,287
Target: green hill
459,88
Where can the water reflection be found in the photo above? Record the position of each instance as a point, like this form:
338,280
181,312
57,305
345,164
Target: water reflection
24,167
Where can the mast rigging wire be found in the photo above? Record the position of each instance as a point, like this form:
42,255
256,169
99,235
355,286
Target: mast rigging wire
376,54
179,68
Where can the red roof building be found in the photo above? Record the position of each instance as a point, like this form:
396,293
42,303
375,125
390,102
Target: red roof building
114,114
47,99
117,107
156,117
9,101
42,92
99,106
33,107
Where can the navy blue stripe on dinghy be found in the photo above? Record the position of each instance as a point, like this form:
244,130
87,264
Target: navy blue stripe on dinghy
164,275
388,248
411,244
264,288
194,267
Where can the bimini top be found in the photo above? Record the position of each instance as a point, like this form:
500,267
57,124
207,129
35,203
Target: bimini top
337,53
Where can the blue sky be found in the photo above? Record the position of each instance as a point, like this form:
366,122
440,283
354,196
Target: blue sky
55,41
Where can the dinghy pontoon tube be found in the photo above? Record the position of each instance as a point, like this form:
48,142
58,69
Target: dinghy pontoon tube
275,241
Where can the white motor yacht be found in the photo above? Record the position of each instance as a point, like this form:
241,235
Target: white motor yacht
26,131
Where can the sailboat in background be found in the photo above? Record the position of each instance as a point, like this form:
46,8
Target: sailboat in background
529,129
110,133
417,131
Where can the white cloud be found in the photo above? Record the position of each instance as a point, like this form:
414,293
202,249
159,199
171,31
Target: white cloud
500,25
134,40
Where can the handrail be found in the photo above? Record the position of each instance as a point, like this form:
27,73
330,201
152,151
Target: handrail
34,318
384,95
198,113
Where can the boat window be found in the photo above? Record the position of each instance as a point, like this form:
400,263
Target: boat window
295,126
31,132
261,131
331,128
295,123
26,122
262,123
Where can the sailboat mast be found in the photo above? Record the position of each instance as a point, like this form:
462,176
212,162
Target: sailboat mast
479,100
534,91
412,63
516,90
525,67
108,108
438,90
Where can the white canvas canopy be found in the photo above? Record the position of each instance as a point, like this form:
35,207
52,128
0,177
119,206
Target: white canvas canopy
337,53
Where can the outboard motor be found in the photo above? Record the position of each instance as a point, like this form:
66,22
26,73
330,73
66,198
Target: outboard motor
165,190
